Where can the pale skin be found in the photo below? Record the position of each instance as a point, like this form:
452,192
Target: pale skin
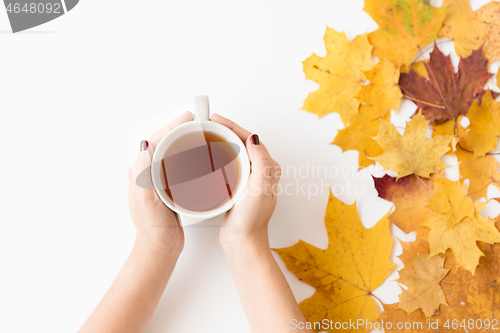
266,297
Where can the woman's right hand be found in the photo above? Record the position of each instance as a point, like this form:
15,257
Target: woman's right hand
247,222
158,227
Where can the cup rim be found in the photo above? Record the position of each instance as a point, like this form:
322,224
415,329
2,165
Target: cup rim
228,135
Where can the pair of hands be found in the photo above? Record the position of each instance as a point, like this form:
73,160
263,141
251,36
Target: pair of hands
267,299
158,227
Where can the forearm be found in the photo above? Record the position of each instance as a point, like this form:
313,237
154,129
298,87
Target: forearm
267,299
131,300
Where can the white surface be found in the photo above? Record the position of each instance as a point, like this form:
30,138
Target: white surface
72,92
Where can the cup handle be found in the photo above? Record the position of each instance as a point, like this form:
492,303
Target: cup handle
202,109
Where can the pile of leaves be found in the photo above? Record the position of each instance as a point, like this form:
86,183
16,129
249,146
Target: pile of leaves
452,270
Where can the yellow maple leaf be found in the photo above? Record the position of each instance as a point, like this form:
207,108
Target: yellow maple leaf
470,30
466,36
419,67
461,238
452,201
339,74
470,297
404,27
453,127
422,276
450,127
411,153
344,275
484,125
411,249
359,136
480,170
382,94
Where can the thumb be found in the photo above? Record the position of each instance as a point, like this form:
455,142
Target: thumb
141,169
261,161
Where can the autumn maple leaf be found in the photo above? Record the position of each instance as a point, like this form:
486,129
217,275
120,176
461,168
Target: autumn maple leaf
348,271
411,153
470,297
480,170
445,94
422,276
405,26
453,127
451,201
484,125
469,29
410,195
382,94
359,136
339,74
461,238
419,67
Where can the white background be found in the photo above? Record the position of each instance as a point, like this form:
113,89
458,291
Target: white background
73,91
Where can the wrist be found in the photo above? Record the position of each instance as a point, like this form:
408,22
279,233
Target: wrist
247,244
165,252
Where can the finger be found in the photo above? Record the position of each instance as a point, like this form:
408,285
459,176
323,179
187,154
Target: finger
141,169
262,163
240,131
158,135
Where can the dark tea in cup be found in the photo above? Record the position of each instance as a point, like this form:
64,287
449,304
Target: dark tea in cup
201,171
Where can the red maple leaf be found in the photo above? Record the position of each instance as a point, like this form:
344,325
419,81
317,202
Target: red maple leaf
446,94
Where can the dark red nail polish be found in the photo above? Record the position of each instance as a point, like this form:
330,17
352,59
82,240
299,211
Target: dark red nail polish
144,145
254,139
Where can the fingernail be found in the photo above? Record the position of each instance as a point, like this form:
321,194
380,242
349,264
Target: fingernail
254,139
144,145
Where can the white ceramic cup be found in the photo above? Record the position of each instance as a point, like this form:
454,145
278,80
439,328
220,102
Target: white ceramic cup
201,122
